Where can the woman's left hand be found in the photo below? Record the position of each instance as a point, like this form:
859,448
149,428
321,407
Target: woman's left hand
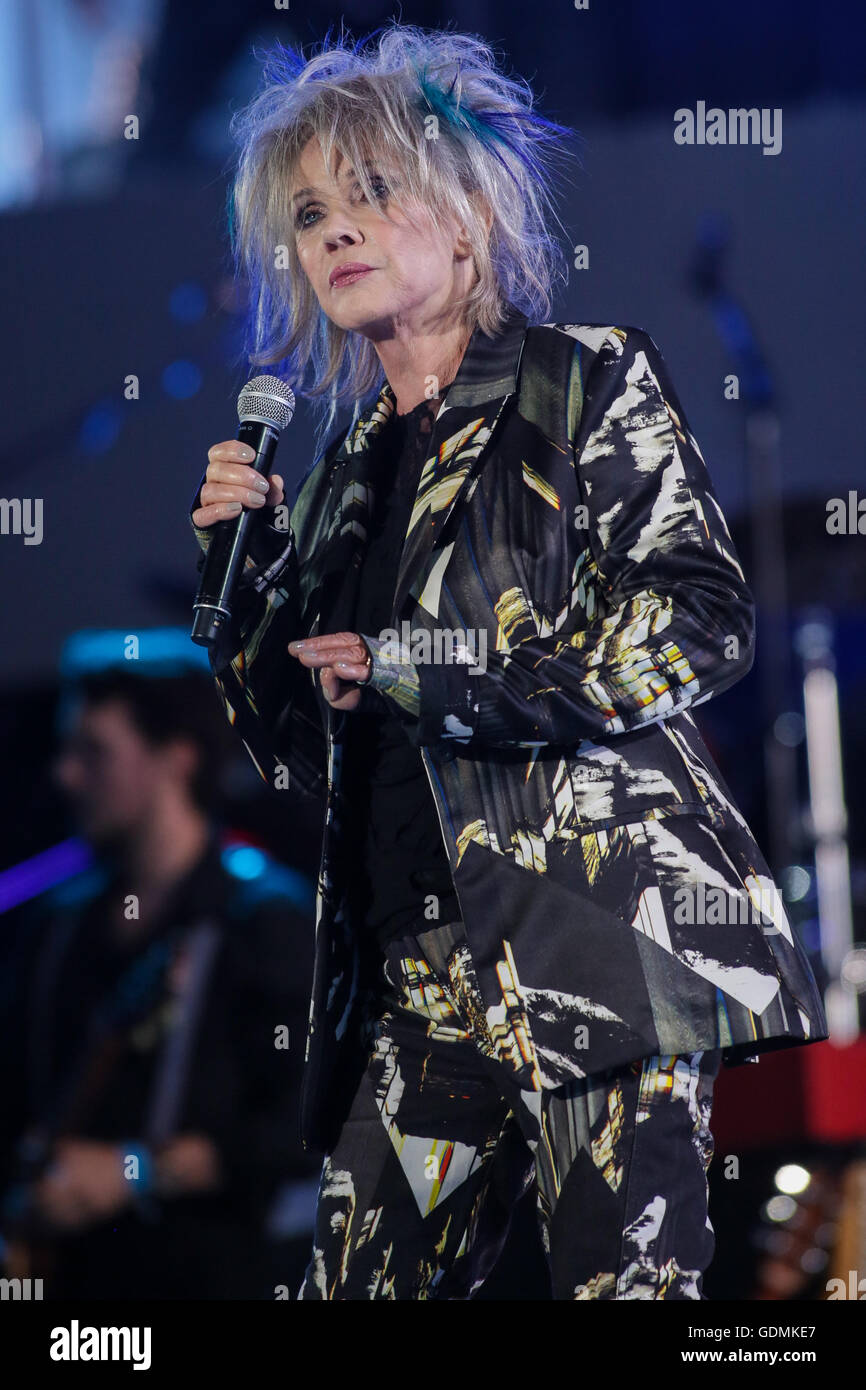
343,659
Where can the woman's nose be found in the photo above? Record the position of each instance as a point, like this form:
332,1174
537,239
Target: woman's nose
338,228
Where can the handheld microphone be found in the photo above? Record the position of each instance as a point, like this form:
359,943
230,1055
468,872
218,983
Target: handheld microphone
265,407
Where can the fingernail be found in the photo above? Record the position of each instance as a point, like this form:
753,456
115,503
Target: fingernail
296,646
261,484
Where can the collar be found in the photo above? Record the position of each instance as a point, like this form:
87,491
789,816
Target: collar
489,364
488,369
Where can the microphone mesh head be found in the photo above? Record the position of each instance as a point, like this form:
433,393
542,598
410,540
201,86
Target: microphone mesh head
267,399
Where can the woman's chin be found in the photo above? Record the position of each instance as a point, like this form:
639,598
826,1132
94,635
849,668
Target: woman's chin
364,320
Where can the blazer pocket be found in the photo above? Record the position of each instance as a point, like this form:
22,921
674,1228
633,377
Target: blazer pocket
634,777
559,973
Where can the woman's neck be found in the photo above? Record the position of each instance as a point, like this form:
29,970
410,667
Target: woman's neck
413,363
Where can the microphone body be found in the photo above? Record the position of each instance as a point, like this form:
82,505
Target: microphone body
265,406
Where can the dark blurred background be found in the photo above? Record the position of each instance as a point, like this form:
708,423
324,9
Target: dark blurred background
741,263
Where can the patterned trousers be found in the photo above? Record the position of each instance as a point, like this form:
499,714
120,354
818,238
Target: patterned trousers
416,1197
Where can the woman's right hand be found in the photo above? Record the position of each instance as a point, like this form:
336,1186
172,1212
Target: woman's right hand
231,484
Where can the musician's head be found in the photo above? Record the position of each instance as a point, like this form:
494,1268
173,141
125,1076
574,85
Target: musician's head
138,749
411,153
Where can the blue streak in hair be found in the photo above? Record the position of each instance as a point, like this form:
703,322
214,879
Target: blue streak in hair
486,126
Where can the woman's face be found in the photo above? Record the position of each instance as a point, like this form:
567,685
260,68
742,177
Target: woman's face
415,272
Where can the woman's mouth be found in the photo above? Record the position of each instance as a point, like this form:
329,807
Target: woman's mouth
348,276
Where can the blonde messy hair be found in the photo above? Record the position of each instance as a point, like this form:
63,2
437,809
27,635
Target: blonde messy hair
434,108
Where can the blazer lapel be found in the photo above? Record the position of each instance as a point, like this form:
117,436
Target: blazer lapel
354,465
460,436
462,431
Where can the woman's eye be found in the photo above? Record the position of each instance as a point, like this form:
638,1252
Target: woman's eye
300,216
378,185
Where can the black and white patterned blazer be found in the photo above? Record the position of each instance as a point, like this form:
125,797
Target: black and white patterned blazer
567,551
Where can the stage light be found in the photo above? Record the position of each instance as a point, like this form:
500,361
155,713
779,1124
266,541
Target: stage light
792,1178
100,428
244,861
779,1209
181,380
796,882
790,728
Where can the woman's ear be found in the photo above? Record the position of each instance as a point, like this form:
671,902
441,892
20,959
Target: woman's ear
464,245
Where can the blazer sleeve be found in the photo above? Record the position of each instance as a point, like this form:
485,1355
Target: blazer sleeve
674,620
267,696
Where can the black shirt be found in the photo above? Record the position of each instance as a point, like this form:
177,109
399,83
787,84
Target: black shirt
398,855
82,998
